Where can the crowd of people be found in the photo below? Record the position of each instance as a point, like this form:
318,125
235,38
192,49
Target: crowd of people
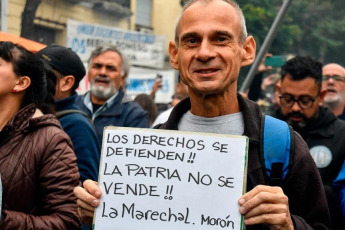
50,137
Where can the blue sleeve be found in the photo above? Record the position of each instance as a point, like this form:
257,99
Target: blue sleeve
339,184
85,144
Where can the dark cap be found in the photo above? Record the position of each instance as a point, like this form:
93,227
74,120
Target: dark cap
64,60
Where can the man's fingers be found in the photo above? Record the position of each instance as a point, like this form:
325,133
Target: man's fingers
263,198
92,187
270,219
265,204
266,208
258,189
83,205
85,198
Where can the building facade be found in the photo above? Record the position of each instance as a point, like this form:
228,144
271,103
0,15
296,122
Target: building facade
155,17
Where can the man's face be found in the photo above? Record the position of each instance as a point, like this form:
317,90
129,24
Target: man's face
307,91
335,87
209,54
105,74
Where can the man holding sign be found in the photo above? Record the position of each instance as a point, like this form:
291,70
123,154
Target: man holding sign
211,44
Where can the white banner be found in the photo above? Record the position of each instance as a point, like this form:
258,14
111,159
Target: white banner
141,49
141,81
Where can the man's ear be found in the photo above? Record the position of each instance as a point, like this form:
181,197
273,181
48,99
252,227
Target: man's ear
248,51
123,78
322,96
278,86
66,83
173,54
22,84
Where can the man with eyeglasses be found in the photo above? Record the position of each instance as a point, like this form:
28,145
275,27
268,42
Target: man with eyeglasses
301,95
333,81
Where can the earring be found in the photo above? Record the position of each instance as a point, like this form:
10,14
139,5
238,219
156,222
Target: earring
14,90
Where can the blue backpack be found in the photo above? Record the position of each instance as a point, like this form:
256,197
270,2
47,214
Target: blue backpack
277,140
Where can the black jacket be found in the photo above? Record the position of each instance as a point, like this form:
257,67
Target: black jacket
303,186
325,137
325,130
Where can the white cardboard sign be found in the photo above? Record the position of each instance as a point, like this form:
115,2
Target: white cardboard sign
159,179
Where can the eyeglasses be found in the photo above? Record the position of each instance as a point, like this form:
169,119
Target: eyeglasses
305,102
334,77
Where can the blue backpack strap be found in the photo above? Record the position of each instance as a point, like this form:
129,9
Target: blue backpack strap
339,184
276,149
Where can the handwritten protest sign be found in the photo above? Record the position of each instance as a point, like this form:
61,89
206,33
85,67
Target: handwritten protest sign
160,179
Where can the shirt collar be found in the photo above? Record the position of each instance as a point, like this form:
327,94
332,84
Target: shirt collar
107,104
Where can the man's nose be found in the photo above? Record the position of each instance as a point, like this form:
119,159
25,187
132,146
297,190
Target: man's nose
206,51
295,107
103,70
330,80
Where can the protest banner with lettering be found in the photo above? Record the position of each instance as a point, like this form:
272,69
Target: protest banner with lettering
141,49
161,179
139,82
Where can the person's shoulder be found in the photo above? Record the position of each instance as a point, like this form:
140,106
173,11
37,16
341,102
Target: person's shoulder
75,119
133,106
339,123
79,98
46,121
47,130
162,117
299,147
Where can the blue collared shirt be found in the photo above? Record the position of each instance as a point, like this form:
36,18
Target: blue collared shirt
105,106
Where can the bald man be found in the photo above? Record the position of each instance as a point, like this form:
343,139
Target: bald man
333,81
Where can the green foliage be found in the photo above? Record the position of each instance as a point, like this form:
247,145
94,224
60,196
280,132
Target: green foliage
313,27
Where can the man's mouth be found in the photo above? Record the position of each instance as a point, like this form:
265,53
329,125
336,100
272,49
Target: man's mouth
102,80
206,72
331,90
295,117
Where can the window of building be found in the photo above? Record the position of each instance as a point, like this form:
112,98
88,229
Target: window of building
44,35
143,13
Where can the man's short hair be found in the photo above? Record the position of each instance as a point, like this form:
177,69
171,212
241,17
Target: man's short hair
302,67
109,47
244,33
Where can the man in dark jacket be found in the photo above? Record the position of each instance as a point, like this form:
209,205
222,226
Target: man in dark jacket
333,81
106,102
69,71
211,44
300,98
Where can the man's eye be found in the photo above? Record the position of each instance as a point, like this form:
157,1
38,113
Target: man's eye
221,39
111,68
288,99
192,41
305,100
